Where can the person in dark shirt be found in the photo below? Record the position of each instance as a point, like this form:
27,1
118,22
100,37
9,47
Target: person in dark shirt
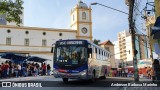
37,69
10,69
48,69
6,68
44,69
156,67
0,72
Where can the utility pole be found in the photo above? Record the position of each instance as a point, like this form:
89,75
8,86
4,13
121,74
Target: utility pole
132,30
157,7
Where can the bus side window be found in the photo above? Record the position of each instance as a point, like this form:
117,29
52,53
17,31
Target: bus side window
52,49
89,52
96,53
102,55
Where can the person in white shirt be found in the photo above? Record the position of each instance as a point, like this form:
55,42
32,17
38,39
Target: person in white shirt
19,69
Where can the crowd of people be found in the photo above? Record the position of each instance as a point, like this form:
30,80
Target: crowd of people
9,69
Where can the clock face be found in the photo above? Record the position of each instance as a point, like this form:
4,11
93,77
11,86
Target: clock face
84,30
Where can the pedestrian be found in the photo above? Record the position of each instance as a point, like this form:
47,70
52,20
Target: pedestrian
10,68
16,70
37,69
48,69
126,72
34,70
153,74
24,65
123,73
44,69
149,73
156,67
0,72
6,69
19,69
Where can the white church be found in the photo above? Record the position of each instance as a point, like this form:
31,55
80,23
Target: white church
38,41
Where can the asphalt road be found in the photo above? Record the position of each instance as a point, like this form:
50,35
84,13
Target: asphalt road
57,84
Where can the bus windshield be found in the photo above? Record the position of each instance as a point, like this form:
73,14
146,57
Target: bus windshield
70,55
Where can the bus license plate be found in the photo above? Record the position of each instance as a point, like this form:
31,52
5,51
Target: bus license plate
68,74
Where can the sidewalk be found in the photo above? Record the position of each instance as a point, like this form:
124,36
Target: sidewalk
129,78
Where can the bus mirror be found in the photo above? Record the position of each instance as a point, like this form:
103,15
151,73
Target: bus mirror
89,50
52,49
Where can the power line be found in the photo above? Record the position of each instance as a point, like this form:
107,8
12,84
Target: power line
141,43
143,15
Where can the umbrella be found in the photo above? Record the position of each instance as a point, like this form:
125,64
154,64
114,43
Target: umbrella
156,29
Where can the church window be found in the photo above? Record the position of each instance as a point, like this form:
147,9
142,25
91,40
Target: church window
8,41
8,31
44,33
44,42
27,32
83,15
26,42
60,34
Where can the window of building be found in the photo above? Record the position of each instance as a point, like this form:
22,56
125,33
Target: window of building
107,48
27,32
26,42
60,34
95,50
44,33
8,31
44,42
83,15
8,41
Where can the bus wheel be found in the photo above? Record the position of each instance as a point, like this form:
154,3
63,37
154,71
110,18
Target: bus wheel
65,80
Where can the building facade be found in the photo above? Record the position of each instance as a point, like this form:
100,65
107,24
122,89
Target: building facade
38,41
123,47
109,46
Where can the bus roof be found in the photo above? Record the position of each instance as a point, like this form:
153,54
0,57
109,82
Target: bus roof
87,42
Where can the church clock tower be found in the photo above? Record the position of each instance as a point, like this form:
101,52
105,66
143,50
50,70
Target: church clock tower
81,21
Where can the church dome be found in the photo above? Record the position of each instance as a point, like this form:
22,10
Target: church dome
82,5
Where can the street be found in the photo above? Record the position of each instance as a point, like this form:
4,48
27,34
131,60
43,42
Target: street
49,82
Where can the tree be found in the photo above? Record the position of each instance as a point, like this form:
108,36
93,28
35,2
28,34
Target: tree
12,9
96,41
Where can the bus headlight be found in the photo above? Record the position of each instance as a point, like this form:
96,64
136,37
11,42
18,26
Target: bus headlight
83,72
55,72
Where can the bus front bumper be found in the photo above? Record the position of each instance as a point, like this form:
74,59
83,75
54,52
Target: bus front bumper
80,75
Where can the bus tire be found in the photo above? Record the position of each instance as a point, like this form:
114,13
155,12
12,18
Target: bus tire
65,80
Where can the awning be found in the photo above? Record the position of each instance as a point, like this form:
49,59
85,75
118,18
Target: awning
13,56
36,59
156,29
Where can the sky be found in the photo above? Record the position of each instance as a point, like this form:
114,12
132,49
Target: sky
106,23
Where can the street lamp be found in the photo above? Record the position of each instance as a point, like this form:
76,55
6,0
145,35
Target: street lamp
131,26
95,3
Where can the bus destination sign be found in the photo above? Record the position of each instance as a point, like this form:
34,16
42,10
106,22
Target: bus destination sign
71,43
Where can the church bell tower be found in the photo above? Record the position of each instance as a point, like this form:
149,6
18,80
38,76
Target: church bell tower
81,21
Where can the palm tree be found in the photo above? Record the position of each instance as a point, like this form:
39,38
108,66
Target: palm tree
96,41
